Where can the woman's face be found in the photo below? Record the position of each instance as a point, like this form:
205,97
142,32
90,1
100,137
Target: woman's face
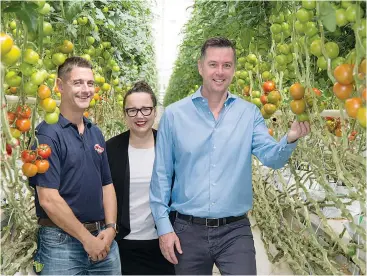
139,112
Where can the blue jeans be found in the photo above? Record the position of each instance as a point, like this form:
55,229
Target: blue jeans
59,253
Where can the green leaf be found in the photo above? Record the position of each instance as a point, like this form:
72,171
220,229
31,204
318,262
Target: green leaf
13,8
99,14
73,8
246,36
327,16
26,13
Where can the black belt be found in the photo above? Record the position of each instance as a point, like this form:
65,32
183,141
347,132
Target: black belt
90,226
209,222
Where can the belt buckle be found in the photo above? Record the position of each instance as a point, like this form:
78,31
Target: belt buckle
211,219
98,226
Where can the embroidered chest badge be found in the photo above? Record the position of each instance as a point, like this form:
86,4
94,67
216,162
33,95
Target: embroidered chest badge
98,148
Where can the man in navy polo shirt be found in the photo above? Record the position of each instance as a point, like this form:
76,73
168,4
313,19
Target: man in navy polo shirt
75,198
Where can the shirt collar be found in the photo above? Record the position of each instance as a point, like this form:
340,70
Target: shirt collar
198,95
65,122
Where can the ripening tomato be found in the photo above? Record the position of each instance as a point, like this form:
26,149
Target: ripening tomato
246,91
15,132
67,47
42,166
298,106
263,99
317,92
274,97
28,156
86,114
29,169
44,151
352,105
297,91
48,104
268,86
303,117
342,92
44,92
23,112
58,58
270,108
338,132
52,118
11,57
23,125
364,95
271,132
344,74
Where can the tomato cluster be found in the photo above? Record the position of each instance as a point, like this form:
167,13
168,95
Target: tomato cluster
345,86
35,161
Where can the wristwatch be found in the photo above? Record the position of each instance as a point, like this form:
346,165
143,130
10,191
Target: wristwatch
112,225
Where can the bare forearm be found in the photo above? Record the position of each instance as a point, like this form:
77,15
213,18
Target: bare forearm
109,204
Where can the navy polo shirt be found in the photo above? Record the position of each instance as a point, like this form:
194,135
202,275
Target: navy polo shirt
78,167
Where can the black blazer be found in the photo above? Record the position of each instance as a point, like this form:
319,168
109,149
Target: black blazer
118,158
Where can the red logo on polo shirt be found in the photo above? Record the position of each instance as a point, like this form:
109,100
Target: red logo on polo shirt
98,148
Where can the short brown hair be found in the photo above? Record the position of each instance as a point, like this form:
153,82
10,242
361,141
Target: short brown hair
219,42
141,86
70,63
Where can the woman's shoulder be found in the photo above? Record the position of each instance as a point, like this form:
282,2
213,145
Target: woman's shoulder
119,139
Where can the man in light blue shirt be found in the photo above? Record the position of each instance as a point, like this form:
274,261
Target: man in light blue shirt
208,139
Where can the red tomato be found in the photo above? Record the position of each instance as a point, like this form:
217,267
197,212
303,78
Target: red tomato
23,112
28,156
268,86
11,117
23,124
44,151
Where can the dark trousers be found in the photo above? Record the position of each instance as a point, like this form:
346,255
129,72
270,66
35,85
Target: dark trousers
230,247
143,257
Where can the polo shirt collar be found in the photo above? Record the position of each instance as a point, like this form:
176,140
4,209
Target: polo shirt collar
198,95
65,122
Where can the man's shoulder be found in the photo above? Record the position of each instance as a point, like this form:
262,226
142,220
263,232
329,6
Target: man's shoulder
53,131
245,104
177,106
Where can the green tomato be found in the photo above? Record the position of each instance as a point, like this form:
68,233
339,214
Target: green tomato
351,57
58,58
341,17
119,97
278,18
300,27
47,62
336,62
277,38
52,117
309,5
311,29
30,88
322,63
83,20
346,3
353,11
86,56
276,28
37,78
45,9
13,79
116,68
303,117
284,49
332,50
252,58
47,28
90,40
266,75
92,103
121,103
302,15
30,56
13,25
26,69
315,48
289,58
281,59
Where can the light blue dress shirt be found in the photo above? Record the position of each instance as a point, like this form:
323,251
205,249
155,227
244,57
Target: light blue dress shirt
211,159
